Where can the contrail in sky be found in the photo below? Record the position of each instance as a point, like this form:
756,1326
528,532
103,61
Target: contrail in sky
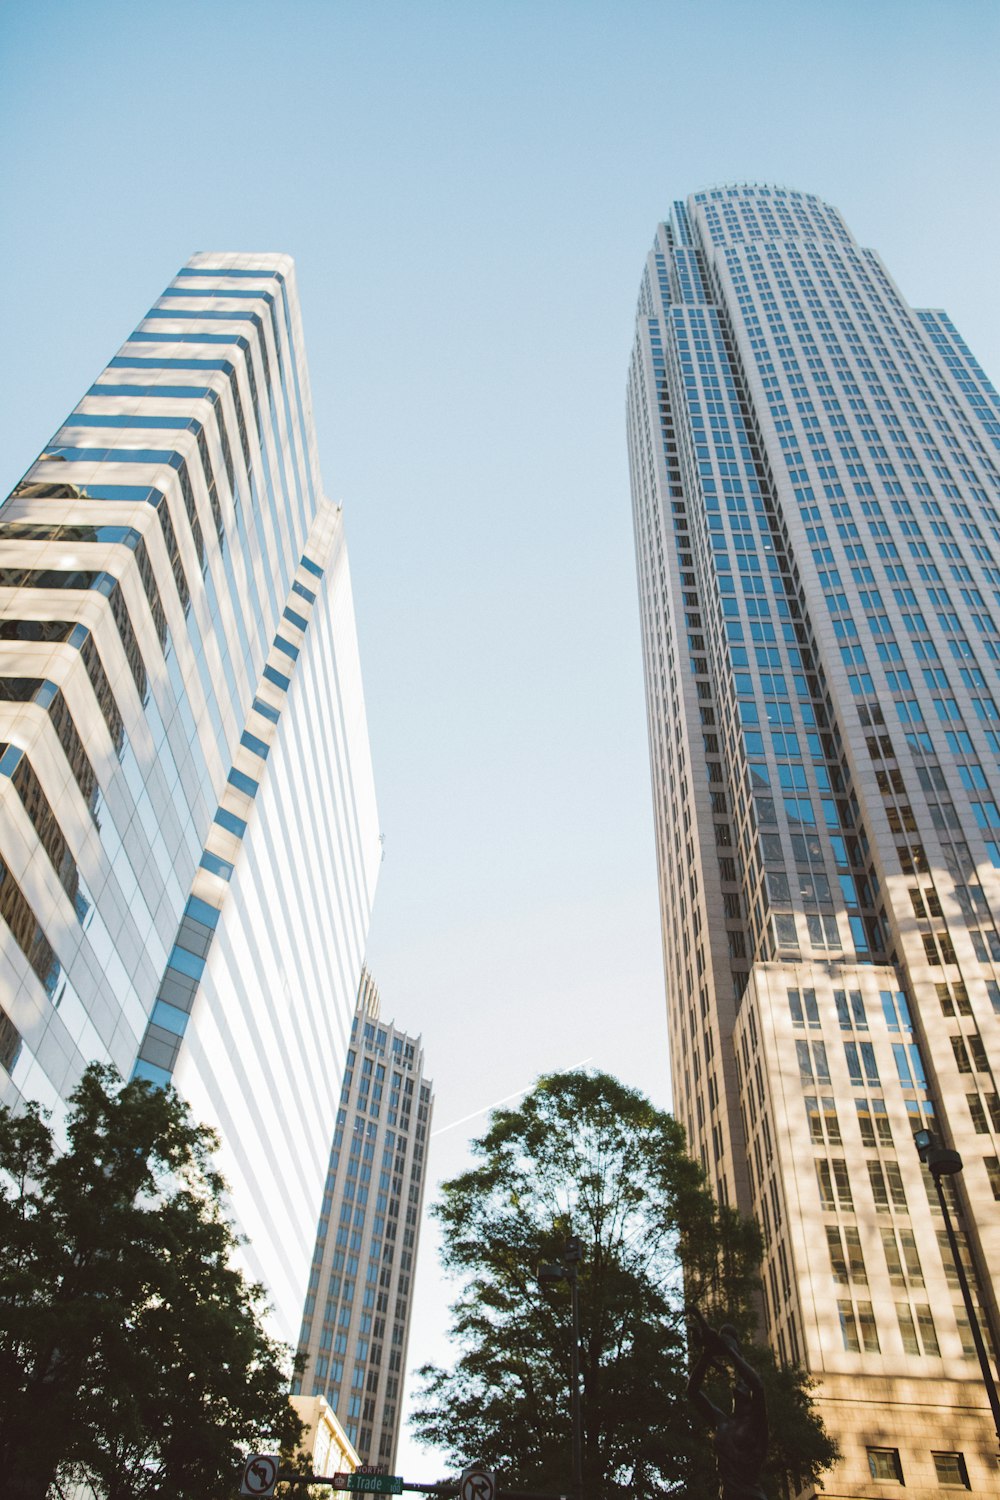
515,1095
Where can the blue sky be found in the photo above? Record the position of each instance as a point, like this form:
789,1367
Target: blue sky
470,191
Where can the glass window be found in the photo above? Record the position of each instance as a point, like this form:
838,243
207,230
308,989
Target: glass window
883,1463
848,1326
992,1164
865,1122
842,1180
825,1180
838,1259
907,1329
893,1261
815,1119
910,1256
894,1006
882,1127
869,1331
896,1191
879,1190
928,1333
855,1258
784,929
951,1470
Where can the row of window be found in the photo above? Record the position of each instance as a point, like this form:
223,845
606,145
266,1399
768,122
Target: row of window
831,302
950,1469
850,1009
168,1021
862,1064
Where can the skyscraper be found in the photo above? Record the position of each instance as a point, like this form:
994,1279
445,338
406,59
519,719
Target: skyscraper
816,495
356,1320
187,817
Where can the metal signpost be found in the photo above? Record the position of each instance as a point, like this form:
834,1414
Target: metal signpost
261,1473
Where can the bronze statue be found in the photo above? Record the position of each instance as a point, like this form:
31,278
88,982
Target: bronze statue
740,1435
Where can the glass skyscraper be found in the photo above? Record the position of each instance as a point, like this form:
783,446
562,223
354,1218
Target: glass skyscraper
188,830
356,1319
816,495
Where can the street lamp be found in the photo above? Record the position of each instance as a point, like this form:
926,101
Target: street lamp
549,1275
942,1162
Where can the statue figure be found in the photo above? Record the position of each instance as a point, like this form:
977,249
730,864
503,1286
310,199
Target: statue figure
740,1435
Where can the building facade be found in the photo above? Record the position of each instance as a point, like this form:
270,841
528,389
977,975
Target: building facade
324,1439
188,830
816,500
356,1320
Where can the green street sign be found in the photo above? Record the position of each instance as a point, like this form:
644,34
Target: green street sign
375,1484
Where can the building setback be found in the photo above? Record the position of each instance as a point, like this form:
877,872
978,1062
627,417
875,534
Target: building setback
816,501
187,816
356,1320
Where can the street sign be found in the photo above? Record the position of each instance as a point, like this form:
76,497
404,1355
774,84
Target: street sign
477,1484
260,1473
369,1484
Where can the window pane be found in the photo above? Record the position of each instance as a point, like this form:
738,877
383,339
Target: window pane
843,1182
848,1327
815,1119
907,1331
928,1333
911,1257
951,1469
838,1260
855,1258
825,1181
896,1190
883,1463
869,1332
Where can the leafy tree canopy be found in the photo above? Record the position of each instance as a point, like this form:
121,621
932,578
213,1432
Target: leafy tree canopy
588,1157
132,1352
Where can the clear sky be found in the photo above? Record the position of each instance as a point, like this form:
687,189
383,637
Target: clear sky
470,190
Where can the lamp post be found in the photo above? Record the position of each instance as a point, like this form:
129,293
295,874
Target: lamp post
942,1162
548,1275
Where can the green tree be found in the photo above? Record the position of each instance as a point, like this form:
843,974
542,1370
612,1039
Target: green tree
132,1352
586,1156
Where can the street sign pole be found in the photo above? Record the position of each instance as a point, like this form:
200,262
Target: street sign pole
446,1489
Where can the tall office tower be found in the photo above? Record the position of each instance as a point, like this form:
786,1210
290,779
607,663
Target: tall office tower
187,816
817,517
356,1321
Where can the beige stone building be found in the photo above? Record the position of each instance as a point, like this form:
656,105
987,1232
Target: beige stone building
324,1439
816,494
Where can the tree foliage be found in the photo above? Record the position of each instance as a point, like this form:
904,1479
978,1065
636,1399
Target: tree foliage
132,1352
588,1157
